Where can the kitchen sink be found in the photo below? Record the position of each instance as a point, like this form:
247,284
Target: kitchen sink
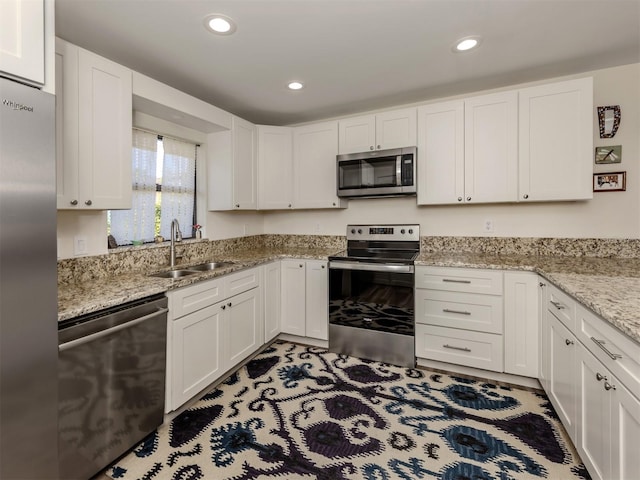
203,267
174,274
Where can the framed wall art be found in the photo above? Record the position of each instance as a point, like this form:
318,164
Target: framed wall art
608,120
610,154
610,182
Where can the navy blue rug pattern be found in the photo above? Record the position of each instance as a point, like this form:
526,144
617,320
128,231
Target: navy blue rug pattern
300,412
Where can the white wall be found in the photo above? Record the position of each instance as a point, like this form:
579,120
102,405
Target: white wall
608,215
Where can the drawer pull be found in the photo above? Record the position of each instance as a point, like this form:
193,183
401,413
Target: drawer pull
462,349
451,280
608,386
558,305
461,312
600,343
600,377
568,342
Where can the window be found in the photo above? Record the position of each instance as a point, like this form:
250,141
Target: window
164,188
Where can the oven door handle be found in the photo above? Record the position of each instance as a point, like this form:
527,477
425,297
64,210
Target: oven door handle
370,267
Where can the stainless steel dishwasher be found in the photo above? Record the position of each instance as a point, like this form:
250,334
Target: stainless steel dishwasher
111,383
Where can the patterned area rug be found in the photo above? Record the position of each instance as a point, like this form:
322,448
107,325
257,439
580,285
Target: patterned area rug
300,412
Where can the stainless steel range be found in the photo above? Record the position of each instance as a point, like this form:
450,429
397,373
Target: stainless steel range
371,294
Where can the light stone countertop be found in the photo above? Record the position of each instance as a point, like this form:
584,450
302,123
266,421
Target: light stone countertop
608,286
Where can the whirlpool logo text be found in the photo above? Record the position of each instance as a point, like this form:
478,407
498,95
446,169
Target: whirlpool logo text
16,106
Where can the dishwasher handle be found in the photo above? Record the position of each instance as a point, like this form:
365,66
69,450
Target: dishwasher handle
95,336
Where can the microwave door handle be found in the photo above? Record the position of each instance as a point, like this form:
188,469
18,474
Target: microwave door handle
399,170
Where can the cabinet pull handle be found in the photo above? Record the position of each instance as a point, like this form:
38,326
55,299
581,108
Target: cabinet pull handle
452,280
462,349
461,312
608,386
600,377
73,202
568,342
600,343
558,305
88,203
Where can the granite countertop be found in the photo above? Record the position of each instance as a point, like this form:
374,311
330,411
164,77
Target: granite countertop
608,286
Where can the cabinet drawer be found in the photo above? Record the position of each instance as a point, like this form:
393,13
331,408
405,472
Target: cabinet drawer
616,352
241,281
469,311
467,280
562,306
193,298
462,347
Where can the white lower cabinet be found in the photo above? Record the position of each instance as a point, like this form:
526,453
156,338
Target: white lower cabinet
213,326
271,290
305,293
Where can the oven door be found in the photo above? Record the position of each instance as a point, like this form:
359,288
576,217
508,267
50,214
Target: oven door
372,296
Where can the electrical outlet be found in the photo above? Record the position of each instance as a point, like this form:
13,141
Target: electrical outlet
79,245
488,226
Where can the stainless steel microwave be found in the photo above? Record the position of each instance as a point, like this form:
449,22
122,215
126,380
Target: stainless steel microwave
378,173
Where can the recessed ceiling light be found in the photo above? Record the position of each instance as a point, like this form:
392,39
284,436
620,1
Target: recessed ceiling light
295,85
220,24
466,44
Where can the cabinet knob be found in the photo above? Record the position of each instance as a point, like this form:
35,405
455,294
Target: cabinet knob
322,266
237,205
334,204
468,199
459,199
300,265
608,386
542,284
289,205
224,307
525,196
73,202
568,342
371,147
88,203
600,377
379,147
229,304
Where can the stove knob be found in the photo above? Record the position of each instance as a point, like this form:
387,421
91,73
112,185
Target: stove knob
410,231
402,231
359,230
353,230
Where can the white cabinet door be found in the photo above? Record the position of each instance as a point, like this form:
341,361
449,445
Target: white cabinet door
593,433
197,356
357,134
396,129
244,328
96,123
393,129
556,141
625,432
491,148
314,153
244,165
275,168
22,40
521,323
293,297
317,299
441,153
271,291
563,373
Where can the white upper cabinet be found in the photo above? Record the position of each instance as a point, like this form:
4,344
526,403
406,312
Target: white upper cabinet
232,167
22,40
314,152
556,141
491,148
94,122
394,129
441,153
275,168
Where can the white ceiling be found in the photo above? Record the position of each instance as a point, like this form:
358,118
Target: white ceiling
352,55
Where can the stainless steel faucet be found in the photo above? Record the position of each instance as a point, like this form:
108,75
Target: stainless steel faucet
176,236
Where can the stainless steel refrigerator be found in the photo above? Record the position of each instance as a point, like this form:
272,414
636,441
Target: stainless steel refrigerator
28,284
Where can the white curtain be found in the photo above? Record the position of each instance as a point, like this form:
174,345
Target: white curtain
138,223
178,186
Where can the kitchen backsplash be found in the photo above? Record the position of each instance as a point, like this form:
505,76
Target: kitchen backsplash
154,257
